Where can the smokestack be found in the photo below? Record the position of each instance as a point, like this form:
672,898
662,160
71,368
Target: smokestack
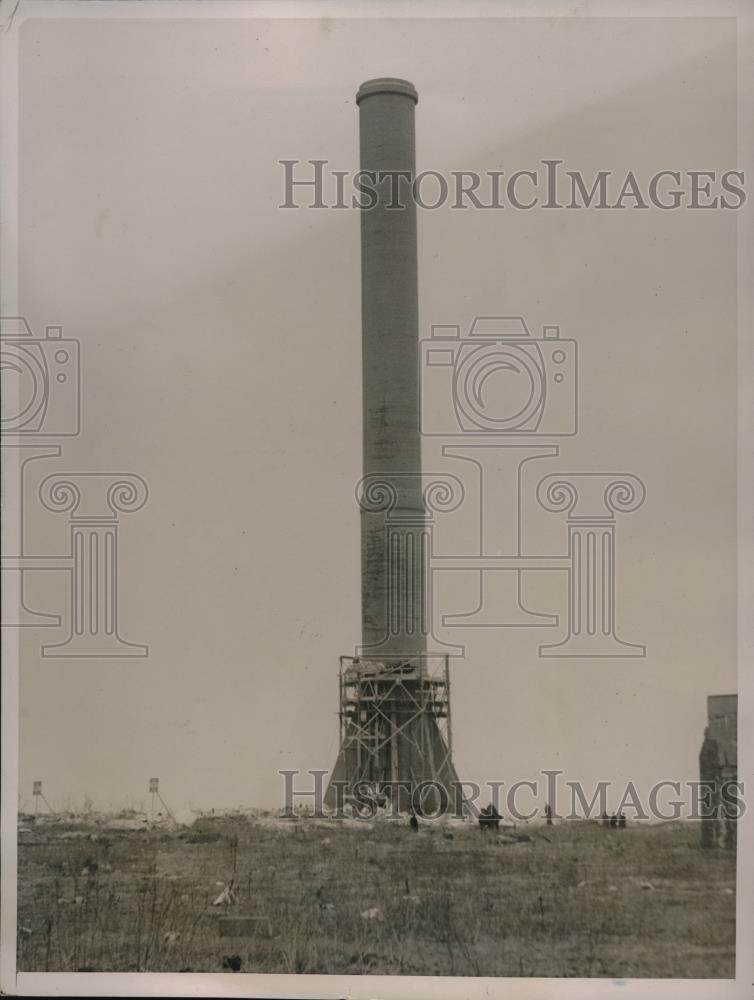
394,705
394,592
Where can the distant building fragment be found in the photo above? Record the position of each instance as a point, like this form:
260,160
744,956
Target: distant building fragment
718,768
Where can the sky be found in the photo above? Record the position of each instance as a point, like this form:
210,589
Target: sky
220,361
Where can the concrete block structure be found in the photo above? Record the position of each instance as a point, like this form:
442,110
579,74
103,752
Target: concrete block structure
718,767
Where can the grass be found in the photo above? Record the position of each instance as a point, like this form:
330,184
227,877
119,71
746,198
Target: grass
91,899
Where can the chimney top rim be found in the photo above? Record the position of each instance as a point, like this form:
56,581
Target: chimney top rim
387,85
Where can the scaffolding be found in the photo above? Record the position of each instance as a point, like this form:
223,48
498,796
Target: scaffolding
396,733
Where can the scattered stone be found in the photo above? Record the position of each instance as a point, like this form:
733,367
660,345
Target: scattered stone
647,885
226,897
373,913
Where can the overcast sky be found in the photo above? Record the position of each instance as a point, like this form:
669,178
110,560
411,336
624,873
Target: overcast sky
220,340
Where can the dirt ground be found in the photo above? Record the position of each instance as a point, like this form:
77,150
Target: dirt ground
354,898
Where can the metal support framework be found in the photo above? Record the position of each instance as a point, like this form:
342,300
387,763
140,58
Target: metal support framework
395,731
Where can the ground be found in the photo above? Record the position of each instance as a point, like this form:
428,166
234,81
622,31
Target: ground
574,899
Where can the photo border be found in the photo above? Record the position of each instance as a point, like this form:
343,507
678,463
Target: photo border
12,16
